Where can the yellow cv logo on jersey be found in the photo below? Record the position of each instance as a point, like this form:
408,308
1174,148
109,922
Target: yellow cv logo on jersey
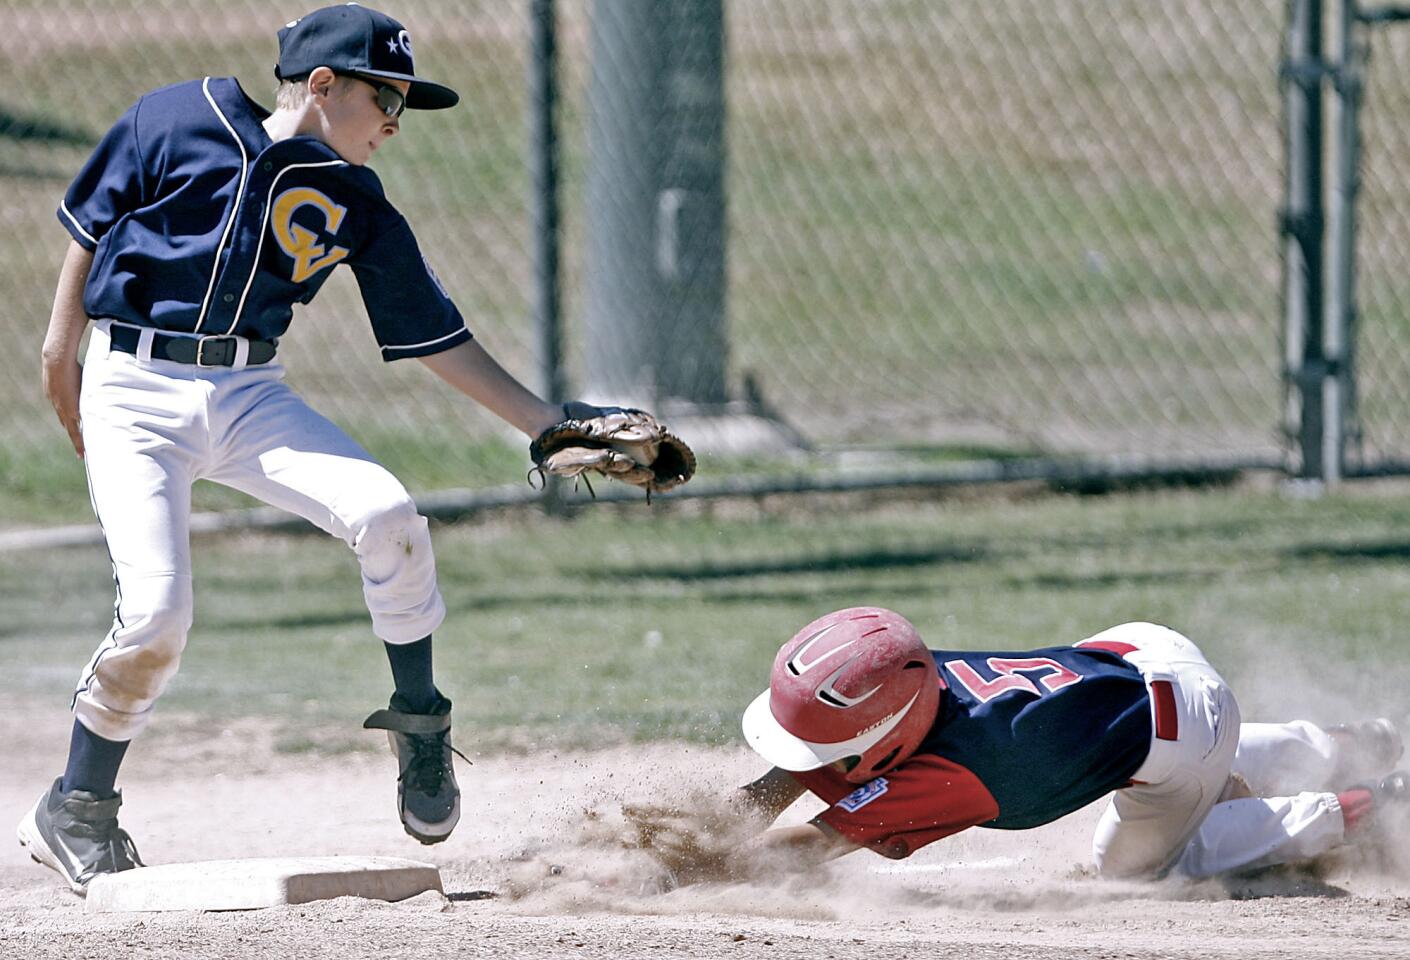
300,242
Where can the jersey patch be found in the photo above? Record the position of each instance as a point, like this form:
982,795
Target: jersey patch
863,795
298,241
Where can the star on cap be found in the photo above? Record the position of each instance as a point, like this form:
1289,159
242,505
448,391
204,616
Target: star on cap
392,44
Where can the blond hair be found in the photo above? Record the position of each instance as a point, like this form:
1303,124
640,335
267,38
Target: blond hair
291,94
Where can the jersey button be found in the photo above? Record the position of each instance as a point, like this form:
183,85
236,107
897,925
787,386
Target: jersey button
268,166
229,298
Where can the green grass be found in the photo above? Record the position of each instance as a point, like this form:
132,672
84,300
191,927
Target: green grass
643,623
43,484
46,485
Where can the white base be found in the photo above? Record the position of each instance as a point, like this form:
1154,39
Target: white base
252,884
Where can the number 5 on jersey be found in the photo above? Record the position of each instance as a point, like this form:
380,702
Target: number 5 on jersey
1054,676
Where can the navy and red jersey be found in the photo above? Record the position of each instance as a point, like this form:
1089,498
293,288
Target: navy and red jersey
1020,739
199,223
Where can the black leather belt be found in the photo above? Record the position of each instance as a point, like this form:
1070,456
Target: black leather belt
201,351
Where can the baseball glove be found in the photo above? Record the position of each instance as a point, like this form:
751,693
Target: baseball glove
621,443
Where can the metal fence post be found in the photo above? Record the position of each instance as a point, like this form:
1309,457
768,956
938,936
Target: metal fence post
543,166
1339,393
543,163
1302,230
1343,318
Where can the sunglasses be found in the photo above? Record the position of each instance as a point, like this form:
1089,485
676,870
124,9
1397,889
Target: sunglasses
391,100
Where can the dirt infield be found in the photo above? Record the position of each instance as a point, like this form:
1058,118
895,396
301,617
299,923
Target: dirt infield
537,868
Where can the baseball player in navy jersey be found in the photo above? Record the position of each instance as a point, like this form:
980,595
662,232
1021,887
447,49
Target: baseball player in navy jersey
198,223
909,745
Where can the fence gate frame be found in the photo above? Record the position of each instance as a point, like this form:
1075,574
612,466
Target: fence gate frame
1317,228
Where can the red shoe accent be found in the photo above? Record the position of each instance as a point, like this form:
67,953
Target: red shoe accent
1356,805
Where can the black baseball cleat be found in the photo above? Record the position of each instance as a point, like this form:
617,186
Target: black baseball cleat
77,834
428,798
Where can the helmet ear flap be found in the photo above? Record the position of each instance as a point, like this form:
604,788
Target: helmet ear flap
907,737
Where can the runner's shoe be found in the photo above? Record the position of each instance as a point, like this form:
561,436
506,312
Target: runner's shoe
1367,749
428,798
1393,788
77,834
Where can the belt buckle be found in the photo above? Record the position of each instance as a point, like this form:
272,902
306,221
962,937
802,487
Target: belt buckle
215,351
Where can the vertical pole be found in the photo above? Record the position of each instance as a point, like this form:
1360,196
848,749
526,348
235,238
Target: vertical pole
690,227
1339,393
543,163
543,168
1302,230
655,285
623,292
1341,341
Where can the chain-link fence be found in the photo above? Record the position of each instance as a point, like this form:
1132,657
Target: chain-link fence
1381,424
1045,223
1025,225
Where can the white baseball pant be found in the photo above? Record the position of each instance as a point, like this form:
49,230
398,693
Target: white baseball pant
151,428
1172,819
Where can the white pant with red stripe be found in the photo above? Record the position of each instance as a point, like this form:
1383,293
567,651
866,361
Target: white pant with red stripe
153,427
1173,819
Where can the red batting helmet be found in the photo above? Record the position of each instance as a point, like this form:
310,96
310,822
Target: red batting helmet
856,683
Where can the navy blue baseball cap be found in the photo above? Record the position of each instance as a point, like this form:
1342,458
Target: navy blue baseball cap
350,38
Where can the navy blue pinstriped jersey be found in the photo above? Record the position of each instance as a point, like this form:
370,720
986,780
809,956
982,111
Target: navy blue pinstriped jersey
1019,740
199,223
